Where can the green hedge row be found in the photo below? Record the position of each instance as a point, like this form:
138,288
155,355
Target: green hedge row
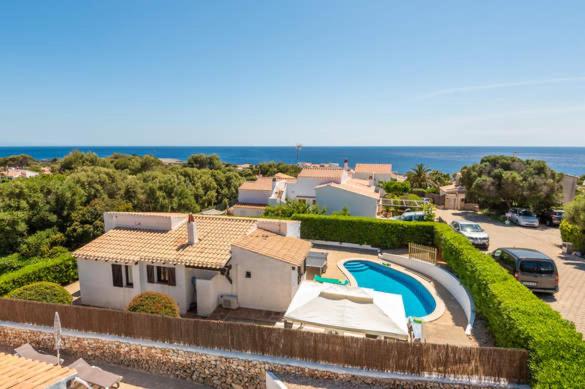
516,317
572,233
364,230
60,270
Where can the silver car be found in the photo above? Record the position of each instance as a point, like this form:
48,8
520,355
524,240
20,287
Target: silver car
523,217
472,231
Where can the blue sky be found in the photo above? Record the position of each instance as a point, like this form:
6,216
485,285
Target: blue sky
278,72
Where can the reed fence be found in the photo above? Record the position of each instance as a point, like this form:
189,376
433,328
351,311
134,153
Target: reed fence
374,354
422,252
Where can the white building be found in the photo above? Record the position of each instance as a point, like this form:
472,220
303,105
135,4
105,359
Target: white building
197,260
330,187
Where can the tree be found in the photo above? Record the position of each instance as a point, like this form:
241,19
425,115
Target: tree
46,292
419,176
154,303
499,182
575,212
13,230
293,207
395,188
40,243
203,161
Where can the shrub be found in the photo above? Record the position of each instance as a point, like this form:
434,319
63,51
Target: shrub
384,234
396,188
14,262
291,208
40,243
61,270
154,303
574,234
46,292
516,317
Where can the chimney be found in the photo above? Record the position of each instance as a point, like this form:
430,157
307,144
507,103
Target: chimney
371,181
191,230
346,164
273,183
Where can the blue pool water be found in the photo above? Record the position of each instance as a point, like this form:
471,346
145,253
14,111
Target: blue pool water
418,301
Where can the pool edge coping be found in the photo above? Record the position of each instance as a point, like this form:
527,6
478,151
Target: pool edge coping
440,304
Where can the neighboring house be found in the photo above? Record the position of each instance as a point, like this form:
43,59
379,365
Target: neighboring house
329,186
356,196
197,260
454,196
14,172
377,172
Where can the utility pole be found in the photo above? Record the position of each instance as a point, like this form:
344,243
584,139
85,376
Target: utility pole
299,147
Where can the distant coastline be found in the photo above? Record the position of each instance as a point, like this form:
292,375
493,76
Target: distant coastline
570,160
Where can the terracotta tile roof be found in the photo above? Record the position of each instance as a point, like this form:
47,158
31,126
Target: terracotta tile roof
282,176
18,372
212,250
322,172
287,249
262,183
379,168
357,189
249,206
357,181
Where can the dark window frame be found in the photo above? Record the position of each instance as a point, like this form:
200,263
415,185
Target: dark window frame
117,278
129,284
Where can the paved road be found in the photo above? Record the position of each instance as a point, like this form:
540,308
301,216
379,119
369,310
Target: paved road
570,300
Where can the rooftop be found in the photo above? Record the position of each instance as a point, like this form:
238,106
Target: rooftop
353,188
130,245
378,168
322,172
291,250
18,372
282,176
262,183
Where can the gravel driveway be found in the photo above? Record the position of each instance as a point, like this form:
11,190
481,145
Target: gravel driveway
570,300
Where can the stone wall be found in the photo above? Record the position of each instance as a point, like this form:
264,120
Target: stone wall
213,370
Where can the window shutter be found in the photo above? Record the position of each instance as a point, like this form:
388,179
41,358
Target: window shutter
150,273
172,279
117,276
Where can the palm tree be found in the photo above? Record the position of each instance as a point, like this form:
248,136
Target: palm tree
419,176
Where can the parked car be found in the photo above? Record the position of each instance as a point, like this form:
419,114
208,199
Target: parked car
410,216
552,217
532,268
472,231
523,217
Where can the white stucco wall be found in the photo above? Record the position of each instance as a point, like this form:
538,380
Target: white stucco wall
305,187
272,285
247,212
378,177
335,199
144,221
209,290
254,196
291,228
96,285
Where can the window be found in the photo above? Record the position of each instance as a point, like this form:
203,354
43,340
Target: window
150,274
165,275
537,267
129,278
248,274
117,280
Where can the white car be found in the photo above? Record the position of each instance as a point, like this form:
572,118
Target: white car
472,231
523,217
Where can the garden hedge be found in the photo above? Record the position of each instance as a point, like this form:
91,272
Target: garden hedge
60,270
154,303
45,292
365,230
516,317
572,233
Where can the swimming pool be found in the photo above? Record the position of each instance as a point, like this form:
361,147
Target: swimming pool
418,301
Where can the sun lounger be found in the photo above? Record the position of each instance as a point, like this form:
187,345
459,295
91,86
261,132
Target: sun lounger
416,329
334,281
94,375
27,351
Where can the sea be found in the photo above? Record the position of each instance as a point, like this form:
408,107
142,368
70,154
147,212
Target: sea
569,160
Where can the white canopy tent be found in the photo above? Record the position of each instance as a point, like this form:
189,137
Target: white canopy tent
349,309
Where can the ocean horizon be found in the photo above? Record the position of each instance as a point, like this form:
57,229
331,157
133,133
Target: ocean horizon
569,160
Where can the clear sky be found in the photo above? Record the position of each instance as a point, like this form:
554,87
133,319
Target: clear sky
317,72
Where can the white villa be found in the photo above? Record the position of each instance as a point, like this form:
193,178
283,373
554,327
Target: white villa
200,261
330,187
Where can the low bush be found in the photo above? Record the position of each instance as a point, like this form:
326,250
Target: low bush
574,234
516,317
46,292
40,243
61,270
14,262
384,234
155,304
